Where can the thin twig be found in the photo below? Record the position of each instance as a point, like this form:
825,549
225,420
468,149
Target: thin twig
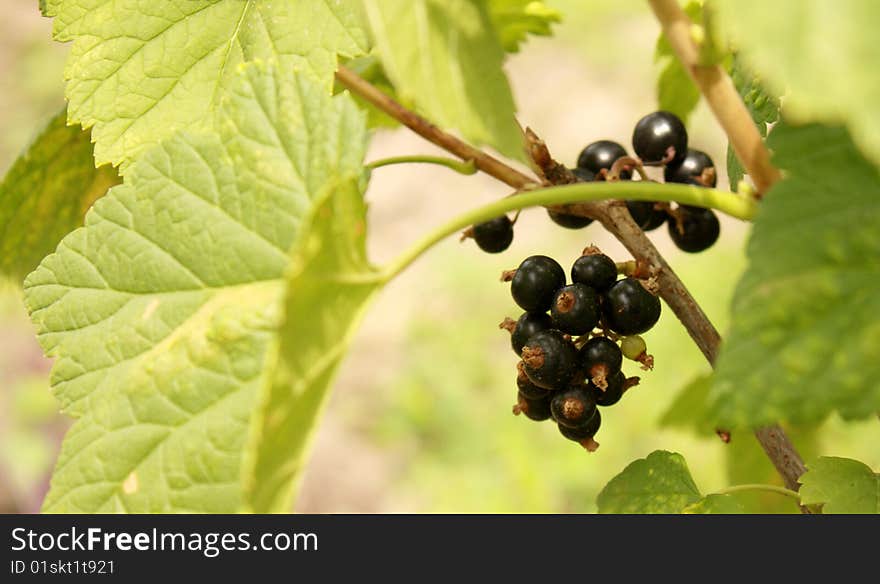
614,216
720,93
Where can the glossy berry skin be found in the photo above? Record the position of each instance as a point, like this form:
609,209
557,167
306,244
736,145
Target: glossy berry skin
535,283
601,355
573,407
629,309
699,229
599,155
494,235
645,215
575,309
598,271
550,359
535,409
526,388
588,430
692,166
612,393
656,133
569,221
527,325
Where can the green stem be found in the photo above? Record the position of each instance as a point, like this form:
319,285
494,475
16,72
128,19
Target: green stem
757,487
729,203
463,167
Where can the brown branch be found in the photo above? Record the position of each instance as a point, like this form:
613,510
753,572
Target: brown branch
617,220
720,93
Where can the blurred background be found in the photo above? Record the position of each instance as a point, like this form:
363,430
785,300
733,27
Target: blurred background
420,416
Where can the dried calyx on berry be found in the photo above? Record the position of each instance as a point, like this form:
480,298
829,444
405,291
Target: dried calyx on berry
600,358
550,359
526,388
573,407
575,309
583,435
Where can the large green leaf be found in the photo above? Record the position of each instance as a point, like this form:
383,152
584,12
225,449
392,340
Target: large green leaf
161,311
841,485
46,193
328,283
139,71
444,56
688,410
514,20
805,336
660,483
821,55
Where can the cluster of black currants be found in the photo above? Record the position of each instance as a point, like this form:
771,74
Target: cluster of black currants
659,139
570,358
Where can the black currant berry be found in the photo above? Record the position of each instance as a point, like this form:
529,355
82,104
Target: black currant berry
584,432
629,309
575,309
611,394
660,137
602,154
550,359
573,407
535,283
646,215
598,271
569,221
526,388
691,167
494,235
695,230
534,409
527,325
600,358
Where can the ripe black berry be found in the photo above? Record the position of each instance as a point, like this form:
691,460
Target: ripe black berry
598,271
660,137
573,407
494,235
646,215
525,387
695,230
691,166
535,283
527,325
600,358
601,154
584,432
534,409
569,221
550,359
611,394
575,309
629,309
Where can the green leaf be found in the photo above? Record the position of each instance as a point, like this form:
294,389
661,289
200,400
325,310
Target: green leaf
818,55
46,193
688,411
329,283
444,57
715,505
514,20
805,338
735,170
841,485
676,91
161,312
139,71
370,69
660,483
